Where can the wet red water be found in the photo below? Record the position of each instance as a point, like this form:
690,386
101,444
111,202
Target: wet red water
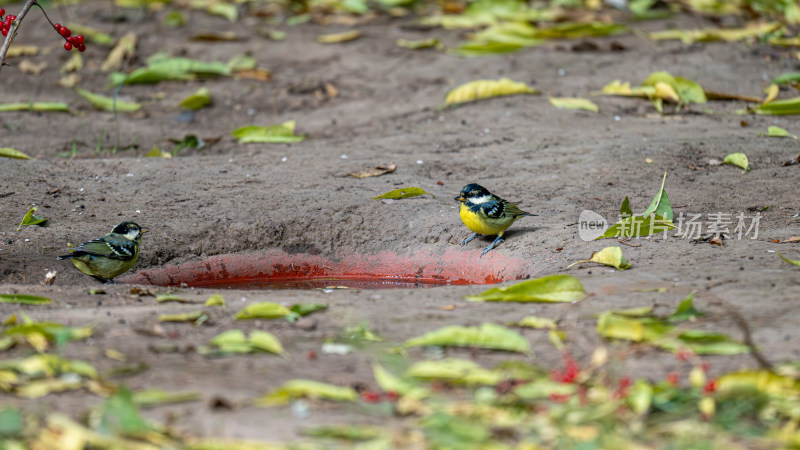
278,270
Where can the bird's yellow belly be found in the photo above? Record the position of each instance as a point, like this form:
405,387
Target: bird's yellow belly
482,225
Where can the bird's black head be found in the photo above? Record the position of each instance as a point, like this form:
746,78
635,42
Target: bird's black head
472,191
130,230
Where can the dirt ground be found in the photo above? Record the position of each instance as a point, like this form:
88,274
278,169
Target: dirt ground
233,198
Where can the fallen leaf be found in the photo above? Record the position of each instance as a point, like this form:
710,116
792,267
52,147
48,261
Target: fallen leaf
483,89
779,132
124,50
24,299
216,300
6,152
198,317
105,103
419,44
263,310
163,298
548,289
787,78
281,134
22,50
791,239
390,382
738,160
32,68
609,256
222,36
375,172
488,335
254,74
779,107
335,38
303,309
156,152
154,397
537,322
790,261
352,433
772,93
294,389
574,103
31,219
35,106
716,34
162,67
200,99
401,193
235,342
70,81
454,370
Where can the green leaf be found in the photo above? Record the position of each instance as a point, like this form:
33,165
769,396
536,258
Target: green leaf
581,30
195,316
538,323
474,49
119,415
31,219
419,44
7,152
335,38
688,91
24,299
162,67
779,132
230,341
227,10
685,310
638,226
454,370
704,343
549,289
303,309
351,433
790,261
155,396
175,18
105,103
263,310
574,103
640,396
198,100
35,106
279,134
265,341
401,193
488,335
779,107
390,382
189,141
11,423
609,256
660,205
293,389
156,152
625,208
162,298
738,160
242,61
786,78
484,89
216,300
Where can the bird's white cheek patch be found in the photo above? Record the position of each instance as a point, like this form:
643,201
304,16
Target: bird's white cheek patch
479,200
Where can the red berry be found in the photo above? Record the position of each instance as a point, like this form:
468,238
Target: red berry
57,26
81,47
710,387
2,12
65,32
370,396
311,353
11,18
672,378
67,46
392,396
5,32
78,39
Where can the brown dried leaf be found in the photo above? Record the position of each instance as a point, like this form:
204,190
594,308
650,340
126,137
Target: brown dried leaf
791,239
375,172
22,50
216,37
255,74
32,68
125,48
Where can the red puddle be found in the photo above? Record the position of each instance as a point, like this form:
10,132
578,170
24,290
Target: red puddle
279,270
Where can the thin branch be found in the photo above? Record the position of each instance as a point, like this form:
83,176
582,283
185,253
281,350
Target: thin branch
13,31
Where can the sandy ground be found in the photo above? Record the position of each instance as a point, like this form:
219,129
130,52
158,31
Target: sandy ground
232,198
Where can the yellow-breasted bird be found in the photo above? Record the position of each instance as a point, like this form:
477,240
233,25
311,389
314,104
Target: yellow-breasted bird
485,213
110,255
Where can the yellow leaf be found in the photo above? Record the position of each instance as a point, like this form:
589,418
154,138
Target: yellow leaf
155,152
336,38
666,92
609,256
11,153
772,93
574,103
537,322
483,89
125,48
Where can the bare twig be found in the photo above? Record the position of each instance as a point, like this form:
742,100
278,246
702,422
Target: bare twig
13,31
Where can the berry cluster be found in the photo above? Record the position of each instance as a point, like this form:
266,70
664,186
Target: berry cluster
5,25
72,41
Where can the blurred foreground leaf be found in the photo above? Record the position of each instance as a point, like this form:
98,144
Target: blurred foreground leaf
198,100
35,106
162,67
782,107
717,34
454,370
574,103
790,261
6,152
105,103
24,299
294,389
263,310
335,38
488,335
549,289
234,341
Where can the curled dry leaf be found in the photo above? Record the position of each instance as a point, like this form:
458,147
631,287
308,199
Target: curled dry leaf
483,89
335,38
609,256
125,48
374,172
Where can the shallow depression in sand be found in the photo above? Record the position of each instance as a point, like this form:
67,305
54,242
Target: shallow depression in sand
280,270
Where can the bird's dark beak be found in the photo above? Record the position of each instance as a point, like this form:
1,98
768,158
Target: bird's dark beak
143,231
460,199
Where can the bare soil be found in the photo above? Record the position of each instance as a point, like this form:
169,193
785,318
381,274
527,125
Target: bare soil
233,198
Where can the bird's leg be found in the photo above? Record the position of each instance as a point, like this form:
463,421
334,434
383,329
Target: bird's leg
496,241
473,236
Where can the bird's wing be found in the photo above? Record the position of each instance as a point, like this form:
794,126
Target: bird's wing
513,211
494,208
110,248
